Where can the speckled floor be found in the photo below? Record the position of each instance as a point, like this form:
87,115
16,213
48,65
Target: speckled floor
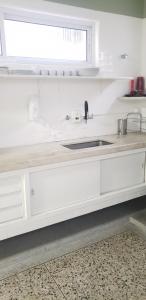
112,269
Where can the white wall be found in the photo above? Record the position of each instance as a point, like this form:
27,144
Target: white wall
117,35
143,52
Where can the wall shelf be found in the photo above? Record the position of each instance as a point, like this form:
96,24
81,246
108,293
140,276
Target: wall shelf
18,76
133,99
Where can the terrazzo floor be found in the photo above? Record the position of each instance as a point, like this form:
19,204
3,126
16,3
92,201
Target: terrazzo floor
112,269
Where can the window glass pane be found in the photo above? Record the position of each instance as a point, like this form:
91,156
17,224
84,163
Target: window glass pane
0,49
45,41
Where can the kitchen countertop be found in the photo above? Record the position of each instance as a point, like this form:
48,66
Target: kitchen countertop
22,157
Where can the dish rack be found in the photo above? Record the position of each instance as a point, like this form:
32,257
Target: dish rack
135,122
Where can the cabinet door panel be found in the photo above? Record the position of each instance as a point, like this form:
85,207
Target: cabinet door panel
63,187
122,172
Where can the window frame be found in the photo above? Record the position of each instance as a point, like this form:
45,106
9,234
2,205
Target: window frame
47,19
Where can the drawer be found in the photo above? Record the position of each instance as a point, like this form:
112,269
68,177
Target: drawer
10,214
10,200
11,184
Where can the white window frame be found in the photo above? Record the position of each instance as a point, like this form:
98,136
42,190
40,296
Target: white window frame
46,19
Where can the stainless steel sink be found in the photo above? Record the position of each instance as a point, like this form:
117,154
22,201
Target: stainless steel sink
90,144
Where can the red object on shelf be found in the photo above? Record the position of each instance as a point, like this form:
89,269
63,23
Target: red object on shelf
132,83
140,82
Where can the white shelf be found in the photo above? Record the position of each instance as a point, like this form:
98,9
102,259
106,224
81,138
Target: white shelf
132,99
18,76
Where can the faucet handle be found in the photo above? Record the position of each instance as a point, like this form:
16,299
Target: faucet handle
86,106
86,110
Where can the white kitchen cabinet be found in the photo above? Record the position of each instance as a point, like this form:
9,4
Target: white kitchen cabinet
122,172
45,195
64,187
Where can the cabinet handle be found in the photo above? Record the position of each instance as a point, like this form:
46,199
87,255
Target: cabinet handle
32,192
143,165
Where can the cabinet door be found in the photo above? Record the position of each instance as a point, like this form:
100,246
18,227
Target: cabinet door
63,187
122,172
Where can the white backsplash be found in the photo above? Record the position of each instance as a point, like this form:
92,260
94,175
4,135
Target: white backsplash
58,98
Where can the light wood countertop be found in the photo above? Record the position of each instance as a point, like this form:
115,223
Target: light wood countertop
22,157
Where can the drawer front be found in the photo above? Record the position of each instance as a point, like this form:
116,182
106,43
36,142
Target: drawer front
11,184
10,214
11,198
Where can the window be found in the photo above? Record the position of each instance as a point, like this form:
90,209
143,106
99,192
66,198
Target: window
40,38
0,49
42,41
0,44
